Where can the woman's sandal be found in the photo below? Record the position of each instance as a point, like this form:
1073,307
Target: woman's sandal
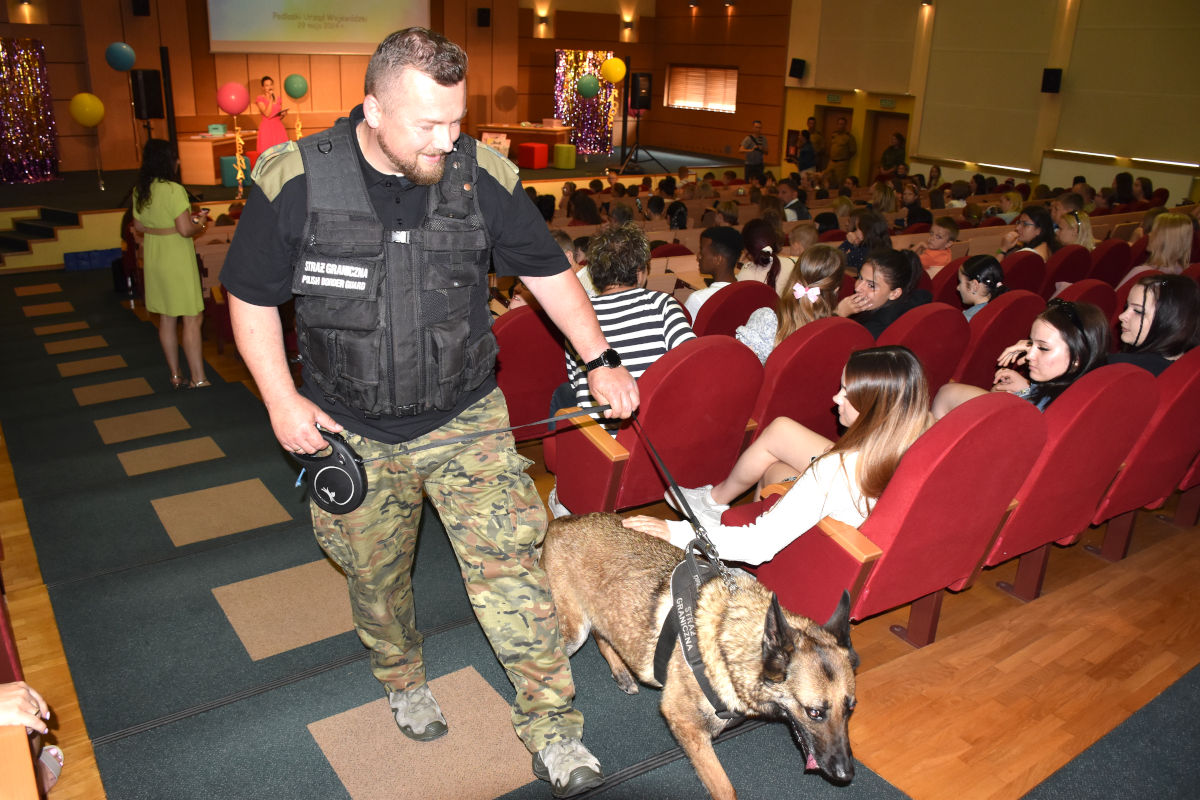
50,762
199,384
178,382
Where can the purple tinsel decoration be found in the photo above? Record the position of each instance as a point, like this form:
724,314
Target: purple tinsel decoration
592,117
28,135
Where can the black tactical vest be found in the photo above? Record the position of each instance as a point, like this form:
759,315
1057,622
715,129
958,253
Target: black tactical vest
392,322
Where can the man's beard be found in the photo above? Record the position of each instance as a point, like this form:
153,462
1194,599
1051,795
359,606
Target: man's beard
412,169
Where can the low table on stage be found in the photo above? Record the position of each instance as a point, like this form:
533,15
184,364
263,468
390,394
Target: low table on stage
519,134
200,156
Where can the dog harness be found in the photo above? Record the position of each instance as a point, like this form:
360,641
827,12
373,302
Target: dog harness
680,625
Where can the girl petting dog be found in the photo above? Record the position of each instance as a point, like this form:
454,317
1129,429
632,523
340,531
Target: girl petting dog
883,402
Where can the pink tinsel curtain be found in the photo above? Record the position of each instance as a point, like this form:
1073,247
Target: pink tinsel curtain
28,135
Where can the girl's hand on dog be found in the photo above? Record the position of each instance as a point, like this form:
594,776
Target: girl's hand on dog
652,526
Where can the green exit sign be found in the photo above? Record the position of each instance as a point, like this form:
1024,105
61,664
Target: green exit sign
887,102
833,98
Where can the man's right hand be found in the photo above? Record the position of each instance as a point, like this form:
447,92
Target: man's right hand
295,418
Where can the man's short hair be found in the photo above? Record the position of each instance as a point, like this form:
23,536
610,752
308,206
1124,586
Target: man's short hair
656,205
415,48
726,242
616,255
788,182
1070,201
596,185
949,225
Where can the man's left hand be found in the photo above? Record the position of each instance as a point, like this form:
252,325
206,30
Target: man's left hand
615,387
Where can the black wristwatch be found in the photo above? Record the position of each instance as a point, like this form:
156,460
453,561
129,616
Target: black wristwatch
609,358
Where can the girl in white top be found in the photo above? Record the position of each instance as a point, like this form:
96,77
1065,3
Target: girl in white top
883,401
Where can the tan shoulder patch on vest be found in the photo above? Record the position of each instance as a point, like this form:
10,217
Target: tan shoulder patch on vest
276,167
504,171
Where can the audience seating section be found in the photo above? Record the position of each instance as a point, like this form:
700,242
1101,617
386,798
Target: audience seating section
695,405
1069,264
1000,324
1024,270
530,365
937,334
731,306
1098,293
945,284
1110,261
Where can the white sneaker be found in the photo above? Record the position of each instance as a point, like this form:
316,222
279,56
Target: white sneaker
557,509
418,714
700,501
569,767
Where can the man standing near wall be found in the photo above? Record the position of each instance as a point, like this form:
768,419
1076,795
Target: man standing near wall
818,145
383,228
754,147
842,148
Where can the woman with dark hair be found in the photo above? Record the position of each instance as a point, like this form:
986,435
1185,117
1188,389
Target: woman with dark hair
677,215
811,294
270,130
163,213
935,177
760,256
1161,322
1122,185
885,289
1143,188
582,210
893,155
868,231
980,279
979,184
1067,340
1034,232
884,404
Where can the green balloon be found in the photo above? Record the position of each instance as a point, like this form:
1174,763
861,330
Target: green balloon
295,86
588,86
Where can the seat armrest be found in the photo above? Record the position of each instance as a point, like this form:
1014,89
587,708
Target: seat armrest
16,765
588,464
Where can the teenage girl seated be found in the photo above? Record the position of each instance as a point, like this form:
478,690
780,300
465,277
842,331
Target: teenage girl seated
1067,340
1161,322
1034,232
885,289
883,402
868,231
814,284
980,279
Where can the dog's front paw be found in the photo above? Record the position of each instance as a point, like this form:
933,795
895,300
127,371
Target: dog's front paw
626,683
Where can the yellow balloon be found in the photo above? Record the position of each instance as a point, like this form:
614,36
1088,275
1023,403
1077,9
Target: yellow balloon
613,70
87,109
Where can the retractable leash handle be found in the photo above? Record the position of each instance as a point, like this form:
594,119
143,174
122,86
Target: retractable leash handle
337,481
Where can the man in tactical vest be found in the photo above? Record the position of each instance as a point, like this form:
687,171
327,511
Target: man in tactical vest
383,228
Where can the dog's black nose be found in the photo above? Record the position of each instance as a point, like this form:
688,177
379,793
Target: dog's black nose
843,771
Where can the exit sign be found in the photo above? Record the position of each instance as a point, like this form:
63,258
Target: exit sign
833,98
887,102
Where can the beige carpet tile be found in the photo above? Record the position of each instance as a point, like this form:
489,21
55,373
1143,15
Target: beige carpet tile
114,390
46,309
37,288
284,610
62,327
479,757
127,427
219,511
169,456
70,369
74,345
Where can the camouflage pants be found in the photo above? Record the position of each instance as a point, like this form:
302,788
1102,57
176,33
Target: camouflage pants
495,520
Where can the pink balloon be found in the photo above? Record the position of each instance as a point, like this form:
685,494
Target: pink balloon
232,98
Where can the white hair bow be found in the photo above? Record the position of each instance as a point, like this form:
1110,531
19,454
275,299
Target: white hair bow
799,290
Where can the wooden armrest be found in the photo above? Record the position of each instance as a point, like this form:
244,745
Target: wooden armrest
773,489
596,435
857,546
16,765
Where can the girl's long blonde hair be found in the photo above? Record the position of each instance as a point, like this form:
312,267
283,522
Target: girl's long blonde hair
820,267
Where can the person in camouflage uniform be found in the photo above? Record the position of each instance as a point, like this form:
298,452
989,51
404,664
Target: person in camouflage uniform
407,142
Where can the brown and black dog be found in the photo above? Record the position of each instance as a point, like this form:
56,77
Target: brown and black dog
761,660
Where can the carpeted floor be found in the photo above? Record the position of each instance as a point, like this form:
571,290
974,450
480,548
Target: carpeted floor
208,639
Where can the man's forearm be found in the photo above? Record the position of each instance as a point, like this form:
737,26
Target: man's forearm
564,301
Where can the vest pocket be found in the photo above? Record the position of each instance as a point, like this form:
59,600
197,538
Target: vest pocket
347,364
445,348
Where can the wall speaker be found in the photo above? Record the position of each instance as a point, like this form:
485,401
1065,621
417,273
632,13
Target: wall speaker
147,93
1051,80
797,69
141,8
639,90
483,17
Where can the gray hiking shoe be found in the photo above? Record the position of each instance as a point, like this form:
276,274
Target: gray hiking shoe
418,714
701,502
569,767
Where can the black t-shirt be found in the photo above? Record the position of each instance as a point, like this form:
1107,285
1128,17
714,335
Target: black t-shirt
877,320
1151,362
258,267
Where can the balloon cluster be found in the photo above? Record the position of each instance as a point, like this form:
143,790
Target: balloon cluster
612,70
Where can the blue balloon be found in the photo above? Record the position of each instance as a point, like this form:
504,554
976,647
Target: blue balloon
119,56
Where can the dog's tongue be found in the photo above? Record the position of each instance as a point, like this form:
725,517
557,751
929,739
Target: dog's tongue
811,763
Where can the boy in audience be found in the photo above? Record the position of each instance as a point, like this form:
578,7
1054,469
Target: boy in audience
935,251
720,248
1064,204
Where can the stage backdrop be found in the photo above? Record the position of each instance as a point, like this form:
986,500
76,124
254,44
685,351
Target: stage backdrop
592,117
308,26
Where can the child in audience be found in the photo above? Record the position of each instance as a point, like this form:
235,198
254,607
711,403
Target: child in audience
1010,206
802,237
760,255
1161,322
868,231
980,279
812,294
935,251
884,404
1170,247
1067,340
1075,227
720,248
885,289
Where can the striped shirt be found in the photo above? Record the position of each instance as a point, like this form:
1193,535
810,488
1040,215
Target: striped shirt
639,324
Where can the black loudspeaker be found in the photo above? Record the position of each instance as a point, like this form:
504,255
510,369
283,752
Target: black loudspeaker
639,90
1051,80
147,93
797,69
483,17
141,8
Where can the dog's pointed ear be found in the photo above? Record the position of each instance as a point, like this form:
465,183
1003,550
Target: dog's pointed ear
778,644
839,626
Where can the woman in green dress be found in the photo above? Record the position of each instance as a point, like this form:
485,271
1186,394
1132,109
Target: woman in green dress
162,212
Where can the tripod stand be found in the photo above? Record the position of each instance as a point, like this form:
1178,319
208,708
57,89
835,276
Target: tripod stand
637,147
